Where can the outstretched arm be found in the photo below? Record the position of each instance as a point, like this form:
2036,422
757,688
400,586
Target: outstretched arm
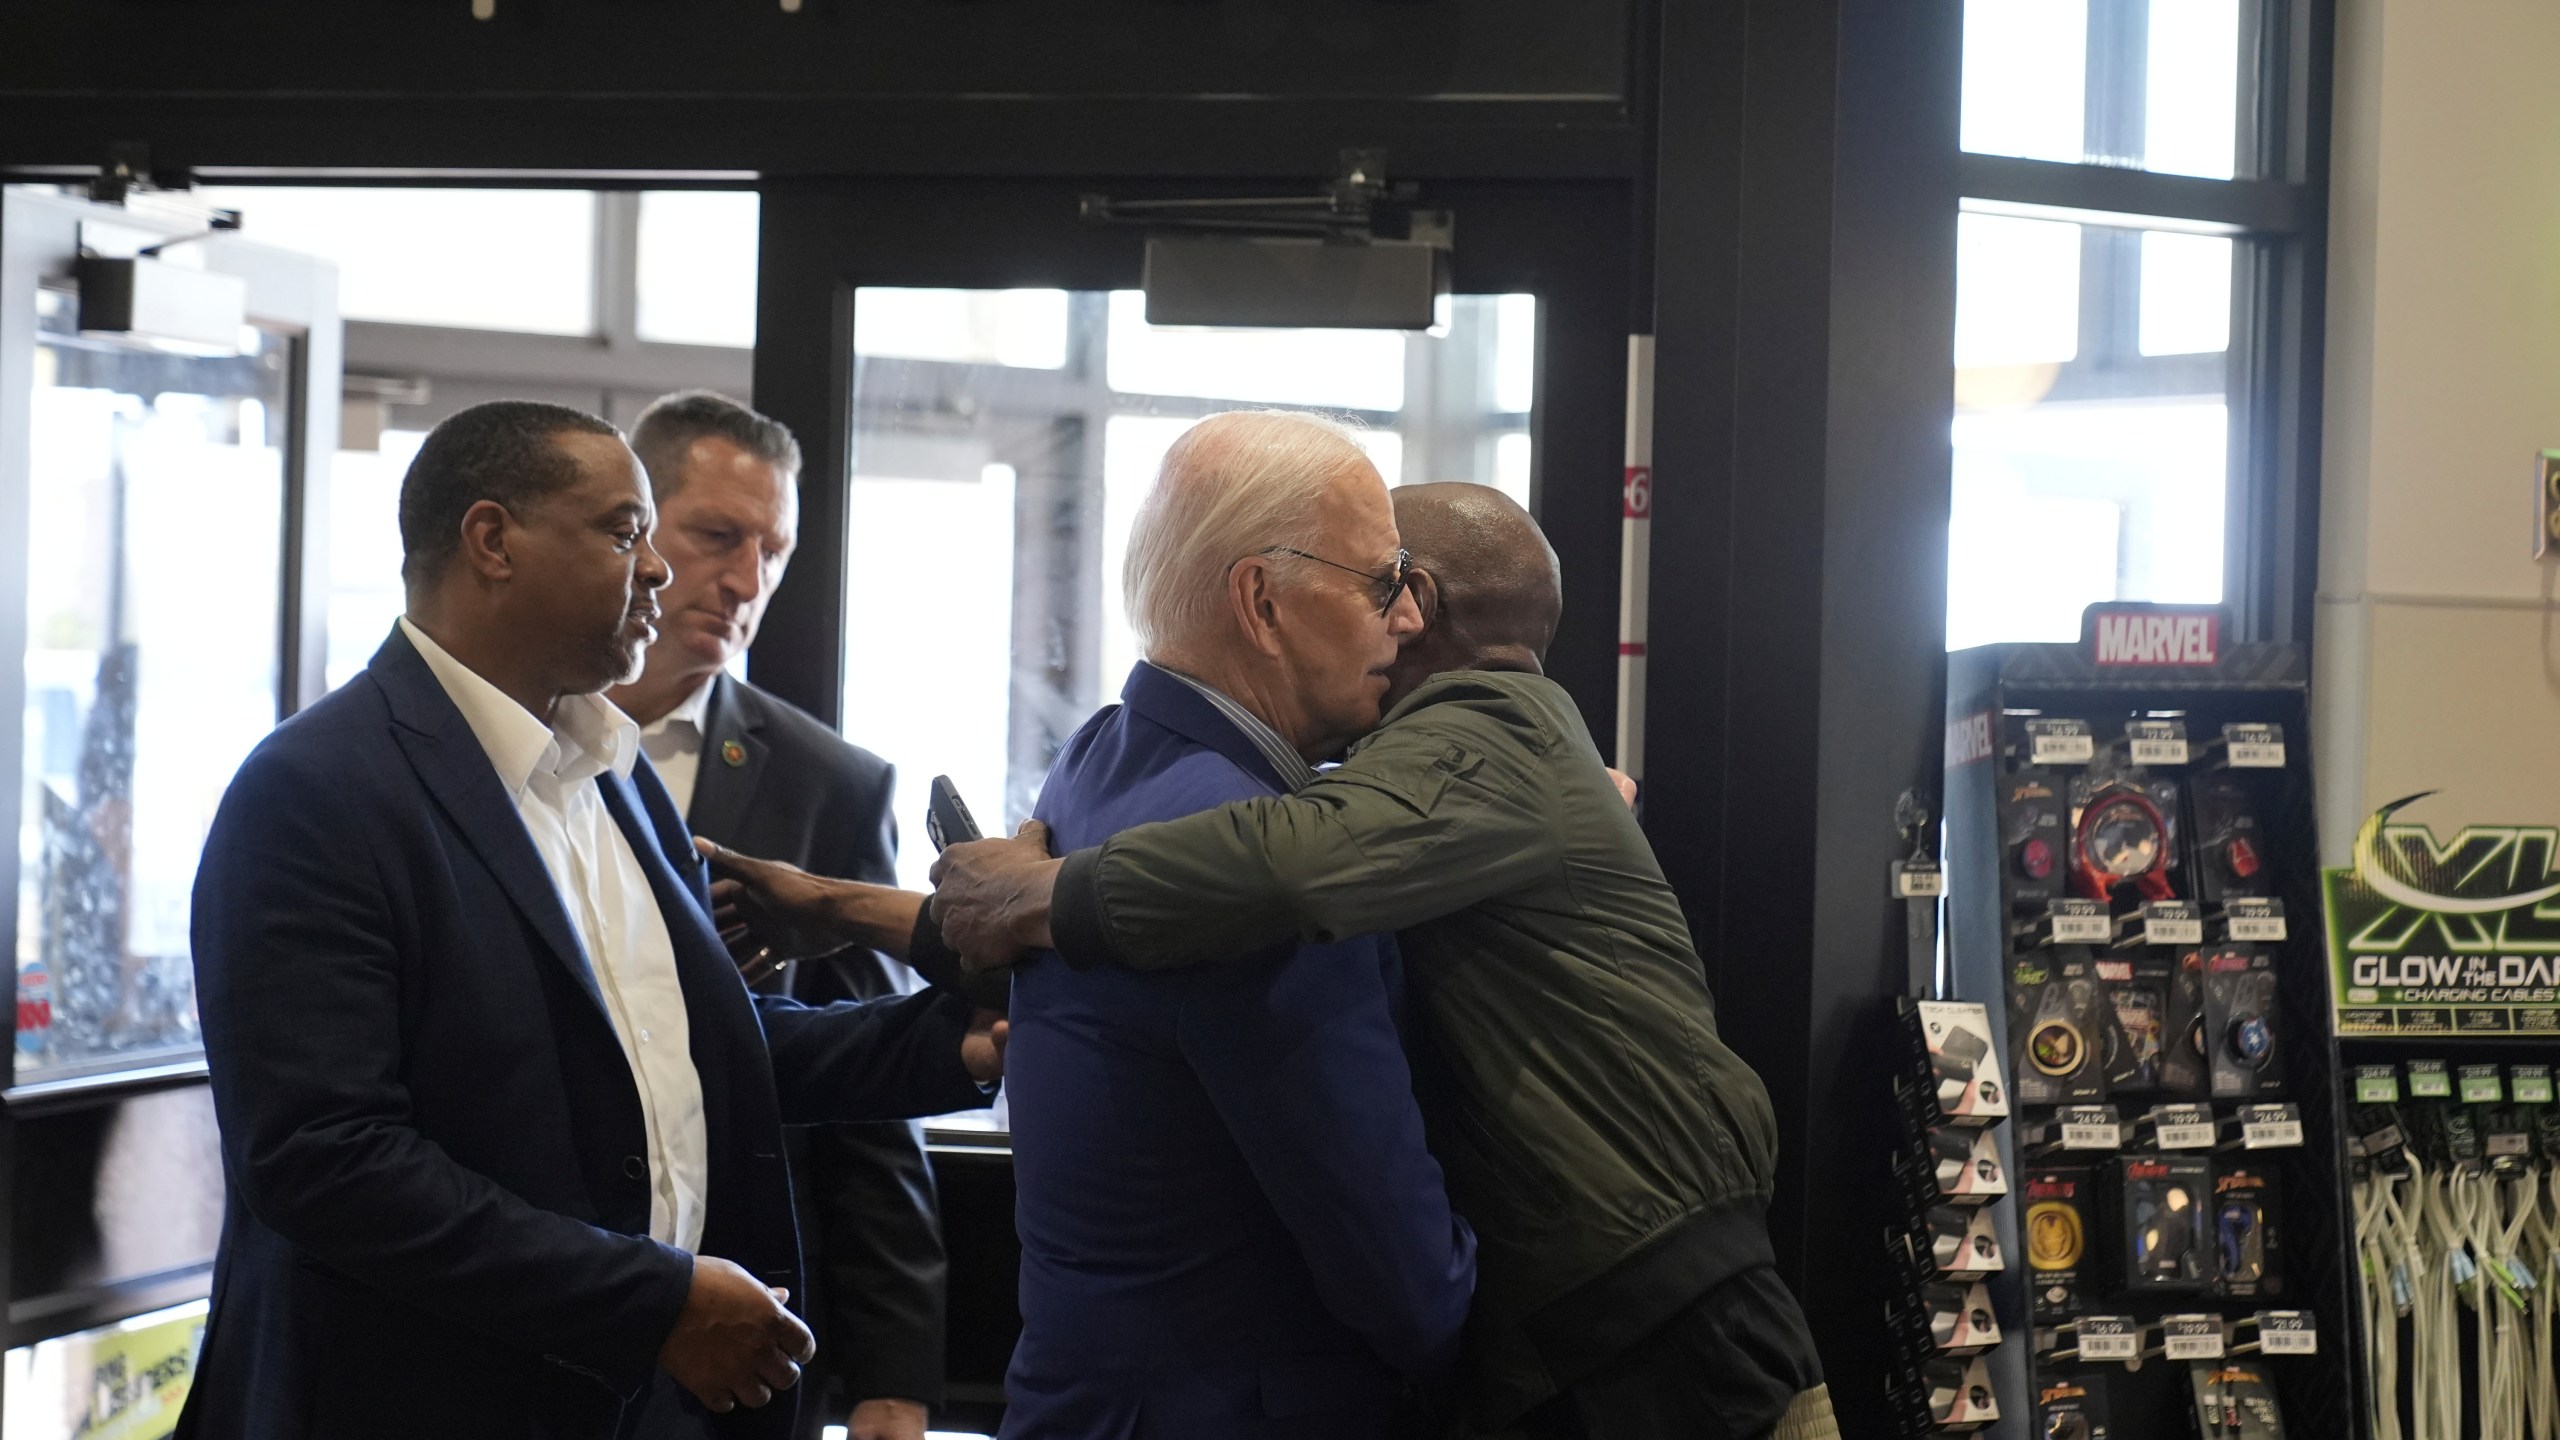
1453,803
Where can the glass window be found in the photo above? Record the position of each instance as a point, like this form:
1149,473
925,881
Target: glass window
481,259
1324,369
2149,84
365,591
1026,328
146,686
126,1379
2092,427
697,267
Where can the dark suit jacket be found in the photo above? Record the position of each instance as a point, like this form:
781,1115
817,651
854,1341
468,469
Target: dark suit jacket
796,791
437,1203
1230,1227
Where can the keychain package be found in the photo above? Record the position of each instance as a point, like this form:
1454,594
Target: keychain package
2231,856
2235,1400
2241,1024
2073,1407
2035,842
2055,1234
2056,1024
2248,1232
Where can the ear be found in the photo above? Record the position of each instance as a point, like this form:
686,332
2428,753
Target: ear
485,541
1426,596
1253,602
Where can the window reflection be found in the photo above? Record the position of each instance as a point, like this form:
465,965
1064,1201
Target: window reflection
2150,84
151,668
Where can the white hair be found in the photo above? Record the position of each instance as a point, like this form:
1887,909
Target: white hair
1232,486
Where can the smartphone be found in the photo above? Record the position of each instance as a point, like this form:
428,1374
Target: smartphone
947,821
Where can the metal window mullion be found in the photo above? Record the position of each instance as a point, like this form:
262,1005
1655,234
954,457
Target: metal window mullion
617,277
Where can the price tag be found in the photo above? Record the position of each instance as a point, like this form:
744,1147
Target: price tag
2504,1143
2481,1085
2078,922
2061,742
2157,742
2091,1127
2270,1127
2109,1337
2172,922
2288,1332
2183,1127
2429,1080
2530,1084
1918,880
2377,1085
2191,1337
2253,747
2254,919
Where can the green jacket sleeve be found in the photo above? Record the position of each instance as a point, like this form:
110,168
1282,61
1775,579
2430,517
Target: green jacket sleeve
1443,807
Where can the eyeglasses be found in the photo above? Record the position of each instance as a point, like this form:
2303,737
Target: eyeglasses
1393,584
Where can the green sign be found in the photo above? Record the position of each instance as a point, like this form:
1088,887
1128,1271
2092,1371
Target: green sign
2446,937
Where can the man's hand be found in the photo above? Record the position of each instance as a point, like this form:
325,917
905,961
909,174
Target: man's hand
771,914
735,1344
991,897
886,1420
982,1049
1626,783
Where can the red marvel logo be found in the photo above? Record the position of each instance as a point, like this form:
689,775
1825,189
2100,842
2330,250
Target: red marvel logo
2151,637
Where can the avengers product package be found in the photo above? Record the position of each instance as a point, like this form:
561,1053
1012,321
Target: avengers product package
2134,1019
2159,1226
2240,1024
2124,837
2183,1071
2057,1025
2055,1232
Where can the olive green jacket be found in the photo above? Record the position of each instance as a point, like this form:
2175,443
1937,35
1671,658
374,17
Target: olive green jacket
1614,1156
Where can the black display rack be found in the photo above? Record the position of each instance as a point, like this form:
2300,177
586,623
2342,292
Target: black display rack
2128,832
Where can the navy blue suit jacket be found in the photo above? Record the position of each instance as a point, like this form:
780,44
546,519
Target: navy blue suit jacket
438,1206
1230,1226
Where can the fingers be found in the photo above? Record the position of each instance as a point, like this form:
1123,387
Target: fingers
777,1371
795,1340
1034,831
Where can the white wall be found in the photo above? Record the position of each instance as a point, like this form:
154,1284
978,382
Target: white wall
2438,641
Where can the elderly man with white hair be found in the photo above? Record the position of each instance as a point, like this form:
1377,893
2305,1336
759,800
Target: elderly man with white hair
1230,1225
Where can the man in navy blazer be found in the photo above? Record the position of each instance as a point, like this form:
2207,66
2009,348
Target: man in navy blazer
1230,1227
501,1128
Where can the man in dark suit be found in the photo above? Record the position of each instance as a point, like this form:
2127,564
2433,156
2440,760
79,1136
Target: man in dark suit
762,777
502,1131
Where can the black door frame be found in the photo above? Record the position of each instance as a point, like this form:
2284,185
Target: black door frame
1565,241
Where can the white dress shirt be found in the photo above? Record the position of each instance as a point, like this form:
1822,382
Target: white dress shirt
550,771
674,744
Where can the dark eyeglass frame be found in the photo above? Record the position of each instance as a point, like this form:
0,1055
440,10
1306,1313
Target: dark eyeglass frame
1396,584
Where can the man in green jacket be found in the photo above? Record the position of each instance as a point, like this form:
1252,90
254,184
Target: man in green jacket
1613,1154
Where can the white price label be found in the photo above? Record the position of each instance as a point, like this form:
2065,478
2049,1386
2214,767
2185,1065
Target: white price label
2253,747
2183,1127
2255,920
2157,742
2173,922
1918,880
2079,922
2109,1337
2060,742
2191,1337
2270,1127
2531,1083
2091,1127
2288,1332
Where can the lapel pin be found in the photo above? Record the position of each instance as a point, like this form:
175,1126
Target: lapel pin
733,752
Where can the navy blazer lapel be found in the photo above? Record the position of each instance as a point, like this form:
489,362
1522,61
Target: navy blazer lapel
1164,699
724,789
449,760
715,996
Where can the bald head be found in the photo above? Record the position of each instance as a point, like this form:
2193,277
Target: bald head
1494,591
